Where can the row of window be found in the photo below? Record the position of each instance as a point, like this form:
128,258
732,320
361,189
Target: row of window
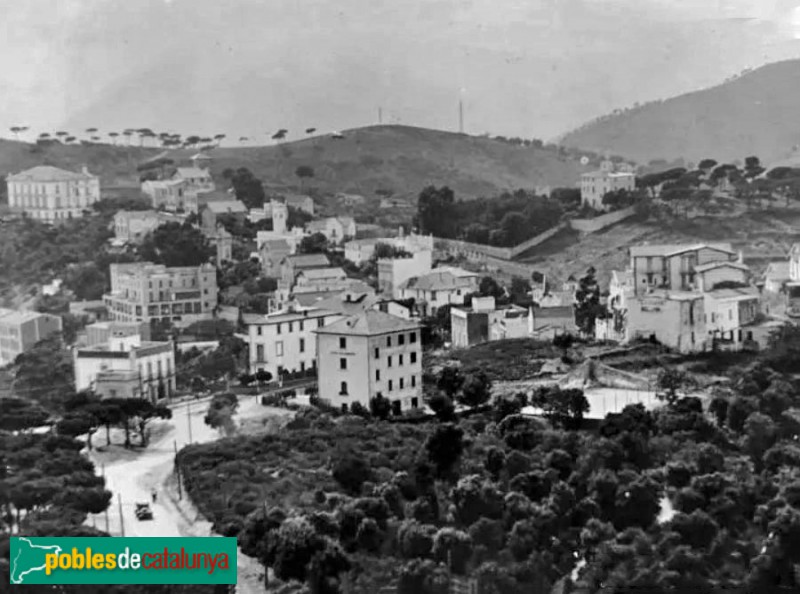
401,340
278,349
291,326
400,360
401,385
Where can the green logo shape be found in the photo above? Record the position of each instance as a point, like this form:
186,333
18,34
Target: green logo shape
123,560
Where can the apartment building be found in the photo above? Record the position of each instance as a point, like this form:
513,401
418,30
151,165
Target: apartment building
729,315
284,341
50,194
673,318
361,250
212,212
335,229
441,286
294,264
370,353
126,367
596,184
675,267
484,322
143,291
393,272
21,330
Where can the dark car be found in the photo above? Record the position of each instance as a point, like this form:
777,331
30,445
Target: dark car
143,511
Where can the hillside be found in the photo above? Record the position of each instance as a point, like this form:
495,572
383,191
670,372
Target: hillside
762,237
754,114
116,165
398,158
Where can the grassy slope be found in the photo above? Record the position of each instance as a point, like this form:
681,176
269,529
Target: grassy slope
751,115
762,236
116,165
400,158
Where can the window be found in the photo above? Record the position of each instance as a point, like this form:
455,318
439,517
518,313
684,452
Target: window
401,383
433,295
301,325
279,329
377,375
377,353
401,339
342,342
258,330
414,357
389,360
401,360
279,348
412,338
290,326
320,322
390,385
413,381
343,389
388,342
302,345
342,363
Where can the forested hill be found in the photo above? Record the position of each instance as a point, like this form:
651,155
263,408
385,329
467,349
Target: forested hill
754,114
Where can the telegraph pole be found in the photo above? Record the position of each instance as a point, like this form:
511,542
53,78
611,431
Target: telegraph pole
121,519
460,116
178,470
189,418
380,115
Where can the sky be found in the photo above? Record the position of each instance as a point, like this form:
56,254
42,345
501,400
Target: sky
530,68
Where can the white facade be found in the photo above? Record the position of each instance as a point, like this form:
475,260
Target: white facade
367,354
284,341
728,313
393,272
361,250
144,291
595,185
140,369
439,287
51,194
335,229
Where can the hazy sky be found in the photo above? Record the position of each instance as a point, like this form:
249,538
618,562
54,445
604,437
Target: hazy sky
534,68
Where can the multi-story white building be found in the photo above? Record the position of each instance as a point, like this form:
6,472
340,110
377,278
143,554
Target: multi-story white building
728,314
439,287
284,341
595,185
370,353
393,272
676,266
673,318
143,291
335,229
21,330
131,226
361,250
51,194
126,367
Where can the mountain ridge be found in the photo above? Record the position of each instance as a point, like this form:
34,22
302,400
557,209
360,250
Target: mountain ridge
751,114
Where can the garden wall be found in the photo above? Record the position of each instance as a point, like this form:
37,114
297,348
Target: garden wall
598,223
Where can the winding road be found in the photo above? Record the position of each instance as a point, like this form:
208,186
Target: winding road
133,477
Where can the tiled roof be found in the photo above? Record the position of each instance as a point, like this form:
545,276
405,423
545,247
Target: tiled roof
565,311
741,293
369,323
671,249
191,172
300,261
278,245
47,173
339,302
226,206
437,281
778,270
322,273
713,265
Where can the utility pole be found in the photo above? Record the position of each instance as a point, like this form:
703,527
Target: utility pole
178,470
121,519
380,115
460,116
189,418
